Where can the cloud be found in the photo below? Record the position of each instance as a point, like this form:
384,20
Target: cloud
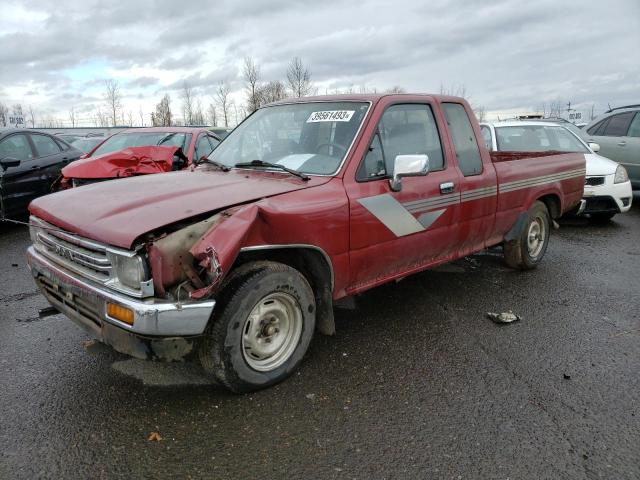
507,54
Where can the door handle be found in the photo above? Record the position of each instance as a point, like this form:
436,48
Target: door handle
622,143
447,187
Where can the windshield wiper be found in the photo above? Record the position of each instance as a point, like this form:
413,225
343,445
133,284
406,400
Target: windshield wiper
263,164
221,166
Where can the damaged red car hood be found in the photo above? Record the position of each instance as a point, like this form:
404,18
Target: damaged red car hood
123,163
118,212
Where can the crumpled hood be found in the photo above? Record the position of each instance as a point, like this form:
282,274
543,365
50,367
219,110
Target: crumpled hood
599,165
119,211
124,163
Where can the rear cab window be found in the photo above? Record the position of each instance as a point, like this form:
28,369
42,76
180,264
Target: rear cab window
404,129
464,140
45,145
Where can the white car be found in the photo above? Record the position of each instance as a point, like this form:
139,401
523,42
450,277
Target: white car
607,189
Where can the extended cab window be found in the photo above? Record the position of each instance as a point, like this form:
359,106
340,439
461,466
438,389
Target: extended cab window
464,141
408,129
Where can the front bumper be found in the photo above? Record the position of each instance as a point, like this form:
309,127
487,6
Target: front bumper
85,302
608,198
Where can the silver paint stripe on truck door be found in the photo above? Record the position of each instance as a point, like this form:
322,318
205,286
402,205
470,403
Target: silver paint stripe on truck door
392,214
398,217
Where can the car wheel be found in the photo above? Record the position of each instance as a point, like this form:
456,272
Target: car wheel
263,329
529,248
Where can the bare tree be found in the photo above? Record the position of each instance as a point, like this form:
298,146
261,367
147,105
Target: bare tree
130,118
222,98
481,113
299,78
271,92
454,90
141,116
251,73
113,97
163,117
187,103
72,116
4,111
395,89
213,114
198,115
32,117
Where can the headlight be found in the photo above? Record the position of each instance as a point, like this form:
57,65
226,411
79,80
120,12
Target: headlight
128,271
621,175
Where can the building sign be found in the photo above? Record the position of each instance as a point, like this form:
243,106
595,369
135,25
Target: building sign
16,120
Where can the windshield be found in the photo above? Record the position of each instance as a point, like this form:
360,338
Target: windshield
538,138
85,145
306,137
121,141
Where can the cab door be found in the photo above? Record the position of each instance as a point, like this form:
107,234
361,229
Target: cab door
395,232
477,180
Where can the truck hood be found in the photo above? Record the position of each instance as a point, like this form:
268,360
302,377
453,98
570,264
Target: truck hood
125,163
599,165
119,211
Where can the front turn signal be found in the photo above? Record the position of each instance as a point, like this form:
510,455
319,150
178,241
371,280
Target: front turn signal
121,313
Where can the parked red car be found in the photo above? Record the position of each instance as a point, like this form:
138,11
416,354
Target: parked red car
238,262
123,155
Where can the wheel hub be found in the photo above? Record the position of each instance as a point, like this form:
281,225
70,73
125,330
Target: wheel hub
272,331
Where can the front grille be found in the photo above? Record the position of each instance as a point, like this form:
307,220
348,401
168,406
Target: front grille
83,256
600,204
87,258
61,297
594,181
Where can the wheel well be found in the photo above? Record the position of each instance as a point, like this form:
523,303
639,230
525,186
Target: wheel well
552,202
315,267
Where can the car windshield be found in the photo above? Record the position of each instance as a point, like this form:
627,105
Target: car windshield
538,138
85,145
121,141
309,137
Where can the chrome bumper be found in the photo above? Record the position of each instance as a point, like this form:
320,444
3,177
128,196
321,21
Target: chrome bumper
84,302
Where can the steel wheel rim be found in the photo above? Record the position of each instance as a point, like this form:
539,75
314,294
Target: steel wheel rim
536,237
271,332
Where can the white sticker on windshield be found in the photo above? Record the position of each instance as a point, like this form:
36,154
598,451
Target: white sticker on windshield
331,116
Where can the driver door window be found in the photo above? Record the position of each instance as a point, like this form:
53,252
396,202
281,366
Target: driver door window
408,129
17,147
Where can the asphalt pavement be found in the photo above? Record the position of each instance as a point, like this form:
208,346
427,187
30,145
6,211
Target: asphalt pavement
417,383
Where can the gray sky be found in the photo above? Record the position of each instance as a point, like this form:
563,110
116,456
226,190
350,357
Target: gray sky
510,55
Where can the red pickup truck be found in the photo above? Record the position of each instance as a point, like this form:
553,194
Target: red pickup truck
236,262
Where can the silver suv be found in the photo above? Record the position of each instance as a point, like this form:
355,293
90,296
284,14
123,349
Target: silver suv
618,134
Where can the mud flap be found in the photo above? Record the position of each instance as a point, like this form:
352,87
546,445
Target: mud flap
516,229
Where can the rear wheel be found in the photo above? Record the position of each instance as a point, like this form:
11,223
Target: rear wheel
527,250
264,327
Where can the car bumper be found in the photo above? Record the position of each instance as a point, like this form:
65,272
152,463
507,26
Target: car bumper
608,198
85,303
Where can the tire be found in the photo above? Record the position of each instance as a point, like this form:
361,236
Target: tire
526,252
601,218
263,329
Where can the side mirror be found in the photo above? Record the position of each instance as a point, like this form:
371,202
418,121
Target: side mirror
9,162
594,146
408,166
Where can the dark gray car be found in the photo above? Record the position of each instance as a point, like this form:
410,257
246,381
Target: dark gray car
618,134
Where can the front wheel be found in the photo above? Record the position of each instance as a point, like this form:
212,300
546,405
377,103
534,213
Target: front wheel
263,330
527,250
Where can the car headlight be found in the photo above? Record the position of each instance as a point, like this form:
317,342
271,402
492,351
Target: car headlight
129,271
621,175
